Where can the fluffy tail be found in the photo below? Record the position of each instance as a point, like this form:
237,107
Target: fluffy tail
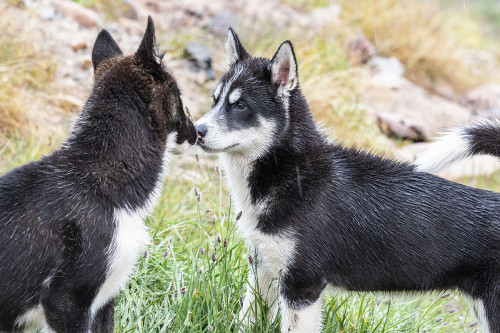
461,143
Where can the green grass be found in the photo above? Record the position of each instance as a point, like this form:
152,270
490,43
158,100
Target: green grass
185,291
176,288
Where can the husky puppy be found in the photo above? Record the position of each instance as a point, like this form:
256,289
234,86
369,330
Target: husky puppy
72,224
322,216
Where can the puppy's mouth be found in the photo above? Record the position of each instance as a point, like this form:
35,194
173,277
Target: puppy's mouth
209,149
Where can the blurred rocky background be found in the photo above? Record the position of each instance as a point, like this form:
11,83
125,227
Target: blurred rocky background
385,75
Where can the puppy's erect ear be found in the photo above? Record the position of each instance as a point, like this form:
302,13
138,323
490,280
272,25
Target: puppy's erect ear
147,51
284,77
104,47
234,50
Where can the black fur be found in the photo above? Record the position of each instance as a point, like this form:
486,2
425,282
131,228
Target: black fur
105,47
484,139
57,214
360,222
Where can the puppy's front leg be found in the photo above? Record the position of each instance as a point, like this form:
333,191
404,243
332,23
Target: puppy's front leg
301,298
263,285
302,319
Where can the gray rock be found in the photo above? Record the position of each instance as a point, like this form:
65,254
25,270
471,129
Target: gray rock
47,12
129,10
386,72
79,41
360,50
201,54
411,112
200,57
323,16
85,17
221,22
483,100
398,125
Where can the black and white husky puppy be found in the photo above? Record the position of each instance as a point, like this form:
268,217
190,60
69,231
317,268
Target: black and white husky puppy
72,224
322,216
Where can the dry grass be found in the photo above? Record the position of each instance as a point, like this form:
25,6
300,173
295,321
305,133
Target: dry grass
23,73
429,41
332,87
112,8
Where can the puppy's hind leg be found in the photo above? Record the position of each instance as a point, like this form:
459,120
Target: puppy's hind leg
68,295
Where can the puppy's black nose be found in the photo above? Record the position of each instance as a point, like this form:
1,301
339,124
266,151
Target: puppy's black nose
202,131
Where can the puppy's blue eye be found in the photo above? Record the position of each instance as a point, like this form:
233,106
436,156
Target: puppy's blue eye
240,106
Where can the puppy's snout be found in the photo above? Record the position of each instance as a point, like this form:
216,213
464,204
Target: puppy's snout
202,130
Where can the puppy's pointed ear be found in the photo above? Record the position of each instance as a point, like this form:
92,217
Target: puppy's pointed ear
234,50
104,47
147,51
284,76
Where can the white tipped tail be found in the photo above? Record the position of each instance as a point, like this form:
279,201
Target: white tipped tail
448,149
481,138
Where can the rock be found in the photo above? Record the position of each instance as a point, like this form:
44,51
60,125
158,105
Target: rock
85,62
79,42
47,13
201,54
483,100
133,27
129,10
479,63
386,72
44,8
360,50
472,167
221,22
323,16
85,17
395,124
200,57
68,101
411,112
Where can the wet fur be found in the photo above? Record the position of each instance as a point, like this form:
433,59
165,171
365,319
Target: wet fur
322,216
72,224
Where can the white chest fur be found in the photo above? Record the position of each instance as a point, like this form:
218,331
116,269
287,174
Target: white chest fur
274,251
130,239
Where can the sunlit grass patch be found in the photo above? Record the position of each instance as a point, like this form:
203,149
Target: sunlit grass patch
423,37
193,277
112,8
23,71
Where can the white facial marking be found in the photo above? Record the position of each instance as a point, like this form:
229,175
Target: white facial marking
217,90
130,239
249,143
235,95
